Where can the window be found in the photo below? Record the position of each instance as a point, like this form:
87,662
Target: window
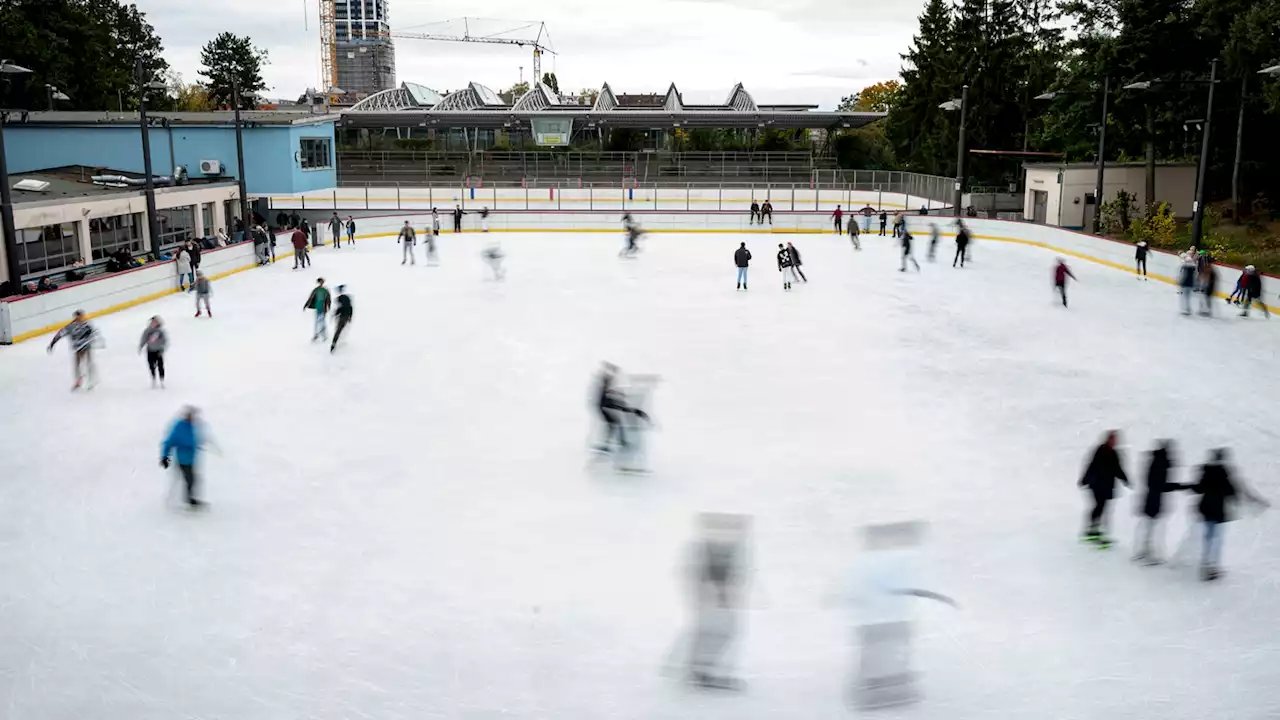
206,211
109,234
231,211
177,225
315,154
47,249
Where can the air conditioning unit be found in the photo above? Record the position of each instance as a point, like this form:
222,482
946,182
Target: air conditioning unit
211,167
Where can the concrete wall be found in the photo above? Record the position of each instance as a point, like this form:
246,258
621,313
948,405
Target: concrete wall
27,317
270,152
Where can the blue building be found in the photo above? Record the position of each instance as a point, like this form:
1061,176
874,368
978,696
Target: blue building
284,152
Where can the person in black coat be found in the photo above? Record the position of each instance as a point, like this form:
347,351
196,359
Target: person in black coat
1100,477
1253,291
1152,507
795,261
742,258
755,213
457,218
1208,286
1216,488
962,244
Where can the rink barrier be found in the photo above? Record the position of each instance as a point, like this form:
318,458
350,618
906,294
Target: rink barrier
26,317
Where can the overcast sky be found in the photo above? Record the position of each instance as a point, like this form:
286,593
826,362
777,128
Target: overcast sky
797,51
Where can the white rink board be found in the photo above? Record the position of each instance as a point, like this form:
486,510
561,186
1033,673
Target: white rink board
408,529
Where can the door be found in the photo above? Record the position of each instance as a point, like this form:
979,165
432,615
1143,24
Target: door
1090,208
1040,206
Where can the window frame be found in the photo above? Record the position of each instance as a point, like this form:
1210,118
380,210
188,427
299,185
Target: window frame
71,256
111,245
169,237
307,154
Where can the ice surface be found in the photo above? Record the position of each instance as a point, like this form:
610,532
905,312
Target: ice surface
411,528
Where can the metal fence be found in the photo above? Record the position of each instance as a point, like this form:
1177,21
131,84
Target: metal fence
934,187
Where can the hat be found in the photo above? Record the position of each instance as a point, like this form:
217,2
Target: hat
1249,268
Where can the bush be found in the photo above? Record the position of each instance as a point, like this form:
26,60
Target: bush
1117,213
1157,227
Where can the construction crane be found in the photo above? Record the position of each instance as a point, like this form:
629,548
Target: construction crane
538,44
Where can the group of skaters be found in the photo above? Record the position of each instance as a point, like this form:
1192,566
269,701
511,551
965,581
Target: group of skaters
1219,492
320,301
1198,274
788,259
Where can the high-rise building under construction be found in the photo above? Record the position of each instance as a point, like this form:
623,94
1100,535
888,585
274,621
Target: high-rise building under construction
364,56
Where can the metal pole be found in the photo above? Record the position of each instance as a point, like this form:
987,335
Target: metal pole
6,217
1102,156
153,227
244,195
1235,166
1197,223
959,191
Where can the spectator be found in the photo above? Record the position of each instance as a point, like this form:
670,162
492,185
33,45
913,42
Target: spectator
46,285
183,263
194,249
306,230
294,221
221,238
75,274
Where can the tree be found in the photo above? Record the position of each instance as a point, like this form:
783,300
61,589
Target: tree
920,134
186,97
517,91
230,57
549,79
881,97
85,48
588,96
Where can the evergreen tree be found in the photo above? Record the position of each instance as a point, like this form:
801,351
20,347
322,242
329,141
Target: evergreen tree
916,128
229,57
549,79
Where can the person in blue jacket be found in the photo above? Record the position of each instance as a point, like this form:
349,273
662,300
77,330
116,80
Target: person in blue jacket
184,443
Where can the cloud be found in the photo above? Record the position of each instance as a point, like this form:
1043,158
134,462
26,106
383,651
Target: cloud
796,51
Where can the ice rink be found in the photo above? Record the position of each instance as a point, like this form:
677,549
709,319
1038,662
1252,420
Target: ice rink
413,527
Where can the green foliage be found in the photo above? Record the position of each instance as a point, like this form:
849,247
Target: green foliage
867,148
881,97
85,48
1157,227
229,58
1117,213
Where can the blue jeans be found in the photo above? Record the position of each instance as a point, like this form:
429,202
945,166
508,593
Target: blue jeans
742,276
321,331
1212,544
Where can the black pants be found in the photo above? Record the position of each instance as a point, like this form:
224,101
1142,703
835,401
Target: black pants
839,225
155,363
613,425
337,240
882,226
1062,291
755,215
959,256
457,225
1142,267
337,333
767,214
802,277
189,480
1097,515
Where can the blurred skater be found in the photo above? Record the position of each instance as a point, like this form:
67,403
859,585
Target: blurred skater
854,234
1140,258
493,256
612,406
1241,290
1208,287
319,302
1216,488
408,237
203,290
886,579
784,267
184,443
484,219
795,261
899,224
934,235
838,218
1253,292
1158,483
962,244
313,238
906,250
719,576
633,233
1100,477
432,237
1187,279
742,259
83,338
342,315
155,341
1060,274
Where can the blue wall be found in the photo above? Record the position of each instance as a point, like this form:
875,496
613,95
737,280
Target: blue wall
270,152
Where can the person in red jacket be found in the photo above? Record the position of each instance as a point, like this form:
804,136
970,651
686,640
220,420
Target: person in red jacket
1060,275
300,258
838,217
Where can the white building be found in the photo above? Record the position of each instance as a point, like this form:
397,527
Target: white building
1061,194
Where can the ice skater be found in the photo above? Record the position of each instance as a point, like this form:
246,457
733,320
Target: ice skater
155,341
1060,274
719,576
183,263
934,235
633,233
1208,287
83,338
493,257
612,405
457,218
1216,488
351,230
795,262
838,220
766,213
484,219
1241,290
962,244
1100,478
742,259
1187,279
1158,483
432,237
884,221
886,579
301,257
755,213
907,255
184,442
854,232
335,229
204,289
319,302
1140,259
784,267
1253,292
342,316
899,224
408,237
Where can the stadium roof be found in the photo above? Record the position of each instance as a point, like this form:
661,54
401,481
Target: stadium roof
476,106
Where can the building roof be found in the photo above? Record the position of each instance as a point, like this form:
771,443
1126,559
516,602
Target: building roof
76,182
303,116
1094,166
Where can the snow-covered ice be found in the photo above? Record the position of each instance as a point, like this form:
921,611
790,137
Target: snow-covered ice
412,527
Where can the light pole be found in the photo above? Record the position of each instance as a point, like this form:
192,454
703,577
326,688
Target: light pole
1102,149
153,227
1197,222
962,104
244,196
6,199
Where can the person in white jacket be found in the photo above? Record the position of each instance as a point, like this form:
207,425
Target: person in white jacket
183,261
